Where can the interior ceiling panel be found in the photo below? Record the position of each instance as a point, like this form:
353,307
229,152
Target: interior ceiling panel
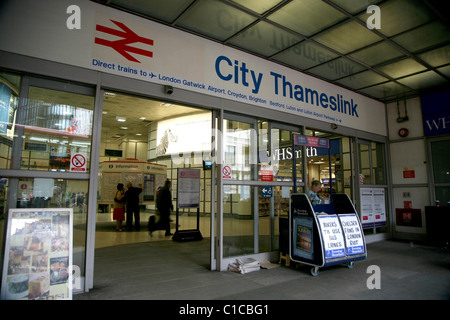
409,55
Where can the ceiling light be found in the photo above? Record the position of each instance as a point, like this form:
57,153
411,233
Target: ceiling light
109,94
166,104
139,134
121,119
124,128
142,118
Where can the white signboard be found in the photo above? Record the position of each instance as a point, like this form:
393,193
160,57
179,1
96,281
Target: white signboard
354,238
332,236
188,189
373,207
116,42
38,255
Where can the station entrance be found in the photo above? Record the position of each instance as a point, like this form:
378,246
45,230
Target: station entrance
145,142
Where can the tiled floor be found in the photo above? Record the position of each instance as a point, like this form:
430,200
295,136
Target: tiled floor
169,270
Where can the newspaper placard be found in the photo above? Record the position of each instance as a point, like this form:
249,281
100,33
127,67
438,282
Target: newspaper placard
354,239
333,240
38,255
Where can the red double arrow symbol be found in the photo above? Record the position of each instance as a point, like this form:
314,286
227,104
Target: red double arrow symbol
122,45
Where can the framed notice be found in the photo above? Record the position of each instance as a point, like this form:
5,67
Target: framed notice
38,255
332,236
373,208
188,189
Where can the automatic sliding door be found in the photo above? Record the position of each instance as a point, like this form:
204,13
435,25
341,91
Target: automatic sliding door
239,223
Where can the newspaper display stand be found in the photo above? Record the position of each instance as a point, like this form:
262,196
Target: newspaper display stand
325,234
321,235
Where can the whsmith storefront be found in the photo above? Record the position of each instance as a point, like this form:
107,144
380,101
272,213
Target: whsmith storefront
76,101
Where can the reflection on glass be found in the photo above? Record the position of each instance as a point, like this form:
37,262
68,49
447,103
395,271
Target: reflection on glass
441,163
239,141
364,164
237,220
282,156
59,193
57,125
9,90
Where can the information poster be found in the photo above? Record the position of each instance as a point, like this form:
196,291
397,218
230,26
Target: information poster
149,187
188,190
333,239
354,239
38,255
303,238
373,208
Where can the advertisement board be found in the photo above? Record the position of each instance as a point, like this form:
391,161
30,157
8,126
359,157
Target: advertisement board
38,255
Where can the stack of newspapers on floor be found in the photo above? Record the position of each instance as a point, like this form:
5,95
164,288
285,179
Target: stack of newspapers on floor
244,265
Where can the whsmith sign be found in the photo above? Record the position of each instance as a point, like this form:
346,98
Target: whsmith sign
112,41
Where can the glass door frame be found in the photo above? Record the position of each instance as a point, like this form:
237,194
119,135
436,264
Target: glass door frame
358,185
221,262
433,184
291,128
15,173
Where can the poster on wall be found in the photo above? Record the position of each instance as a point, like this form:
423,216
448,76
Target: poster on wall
373,207
188,190
38,255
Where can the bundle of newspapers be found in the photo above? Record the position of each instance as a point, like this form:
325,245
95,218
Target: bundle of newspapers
244,265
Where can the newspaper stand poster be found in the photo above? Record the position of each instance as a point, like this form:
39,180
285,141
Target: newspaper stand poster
38,255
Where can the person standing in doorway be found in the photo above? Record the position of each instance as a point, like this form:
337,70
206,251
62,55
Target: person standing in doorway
119,206
164,206
132,198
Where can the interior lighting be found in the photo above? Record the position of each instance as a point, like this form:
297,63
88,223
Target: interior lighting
121,119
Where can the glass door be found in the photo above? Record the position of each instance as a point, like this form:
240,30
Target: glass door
441,171
50,134
240,220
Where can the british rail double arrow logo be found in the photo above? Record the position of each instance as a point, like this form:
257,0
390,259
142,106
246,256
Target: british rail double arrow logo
122,46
